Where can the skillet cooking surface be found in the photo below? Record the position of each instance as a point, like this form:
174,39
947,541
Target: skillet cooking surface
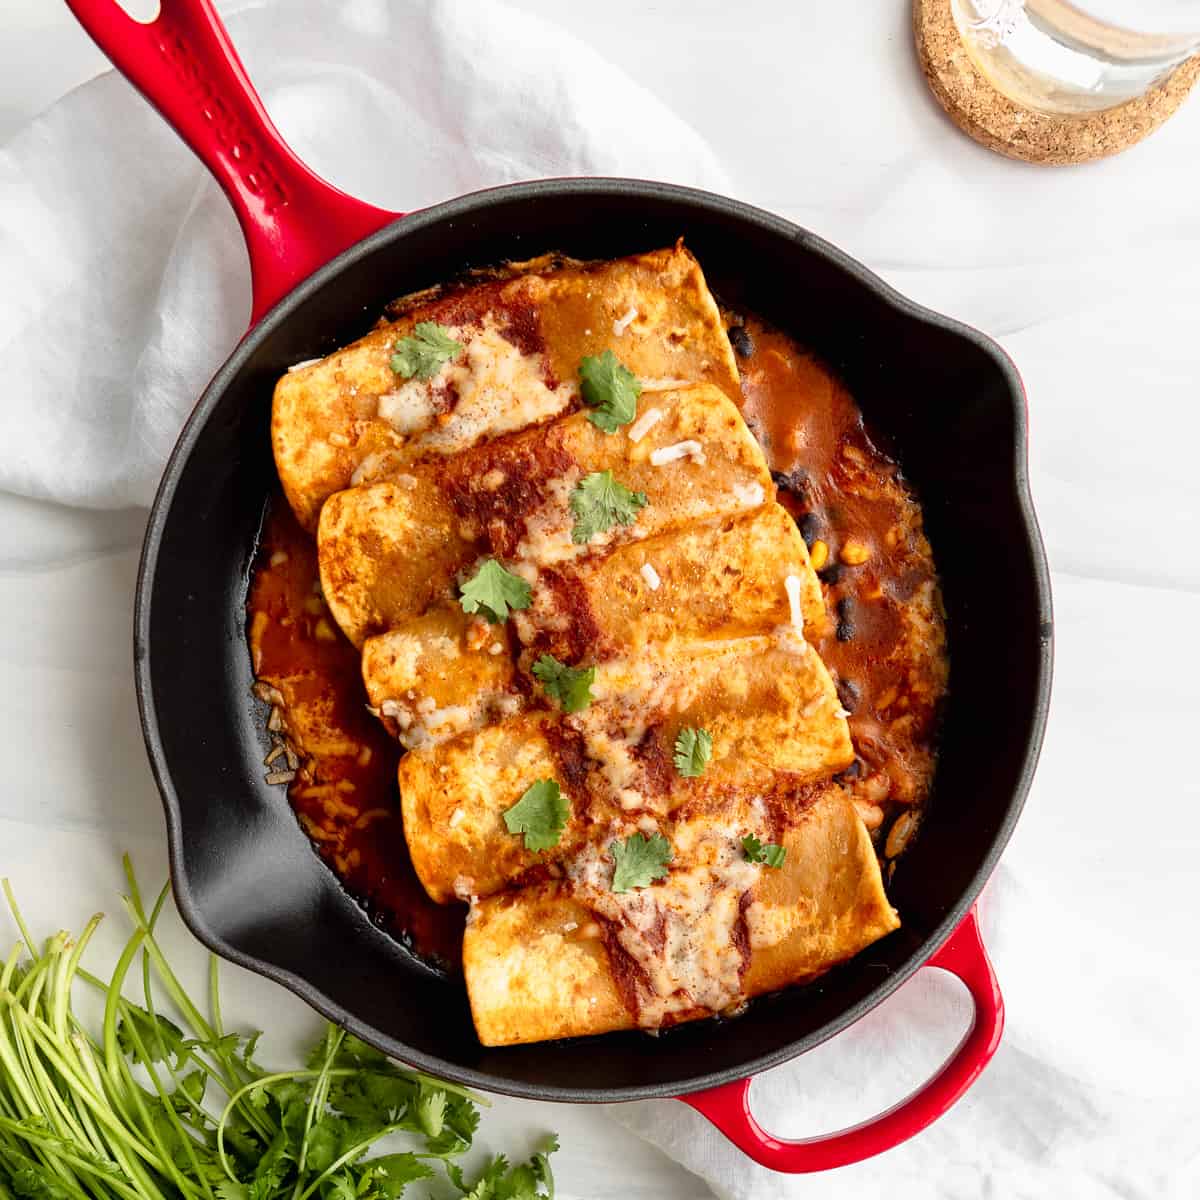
949,406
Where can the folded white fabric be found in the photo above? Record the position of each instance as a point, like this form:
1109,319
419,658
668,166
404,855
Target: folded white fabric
125,281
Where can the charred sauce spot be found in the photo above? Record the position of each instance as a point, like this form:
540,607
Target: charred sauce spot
579,641
497,486
655,755
570,753
628,974
741,932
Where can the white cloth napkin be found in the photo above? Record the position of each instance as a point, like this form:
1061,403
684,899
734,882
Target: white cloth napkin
125,280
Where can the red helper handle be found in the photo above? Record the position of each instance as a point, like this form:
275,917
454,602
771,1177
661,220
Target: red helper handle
184,63
728,1106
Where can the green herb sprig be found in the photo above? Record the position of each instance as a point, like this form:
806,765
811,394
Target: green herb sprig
769,854
609,389
201,1119
423,353
570,687
494,591
598,502
541,814
639,860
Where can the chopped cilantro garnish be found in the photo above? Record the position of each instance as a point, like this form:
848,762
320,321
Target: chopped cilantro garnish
570,686
639,861
599,502
767,853
693,749
422,354
609,389
494,590
540,814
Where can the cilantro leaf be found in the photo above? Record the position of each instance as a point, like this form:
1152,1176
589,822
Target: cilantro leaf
598,502
373,1096
494,590
540,814
639,861
570,686
609,389
188,1094
693,749
339,1187
431,1111
767,853
422,353
462,1120
161,1039
388,1175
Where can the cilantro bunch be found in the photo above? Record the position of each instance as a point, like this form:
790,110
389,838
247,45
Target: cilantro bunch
142,1110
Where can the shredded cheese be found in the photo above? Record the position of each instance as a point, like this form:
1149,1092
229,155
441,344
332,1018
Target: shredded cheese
668,454
623,323
749,494
663,385
644,424
651,576
791,585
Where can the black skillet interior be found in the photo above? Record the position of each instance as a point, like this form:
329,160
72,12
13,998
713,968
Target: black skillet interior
246,879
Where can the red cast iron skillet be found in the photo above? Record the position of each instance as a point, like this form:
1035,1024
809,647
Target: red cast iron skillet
246,880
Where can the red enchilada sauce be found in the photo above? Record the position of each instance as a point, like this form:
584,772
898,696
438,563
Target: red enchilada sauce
884,645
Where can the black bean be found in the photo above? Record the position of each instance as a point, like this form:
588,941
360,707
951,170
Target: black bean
794,481
845,625
848,694
830,574
853,771
741,341
810,528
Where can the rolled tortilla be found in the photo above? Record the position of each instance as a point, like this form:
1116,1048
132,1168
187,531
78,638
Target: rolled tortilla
722,578
441,675
768,703
349,418
569,958
444,673
387,550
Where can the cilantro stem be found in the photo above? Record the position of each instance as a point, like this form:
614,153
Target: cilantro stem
20,920
214,994
355,1151
180,998
118,1134
245,1090
316,1103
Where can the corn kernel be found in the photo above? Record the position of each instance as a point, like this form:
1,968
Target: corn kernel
854,553
818,555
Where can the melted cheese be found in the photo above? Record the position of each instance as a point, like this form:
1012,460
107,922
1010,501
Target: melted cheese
680,932
490,389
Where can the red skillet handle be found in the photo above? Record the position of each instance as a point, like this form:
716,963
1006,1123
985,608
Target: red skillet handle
184,63
728,1106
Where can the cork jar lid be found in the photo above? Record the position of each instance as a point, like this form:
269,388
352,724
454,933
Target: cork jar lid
1001,124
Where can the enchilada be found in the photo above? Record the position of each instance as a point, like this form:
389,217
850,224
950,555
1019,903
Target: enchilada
571,957
388,549
351,418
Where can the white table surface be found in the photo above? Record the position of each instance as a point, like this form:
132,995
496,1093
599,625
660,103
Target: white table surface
1088,277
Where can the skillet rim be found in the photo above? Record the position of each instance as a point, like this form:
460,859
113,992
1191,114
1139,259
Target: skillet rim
448,212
